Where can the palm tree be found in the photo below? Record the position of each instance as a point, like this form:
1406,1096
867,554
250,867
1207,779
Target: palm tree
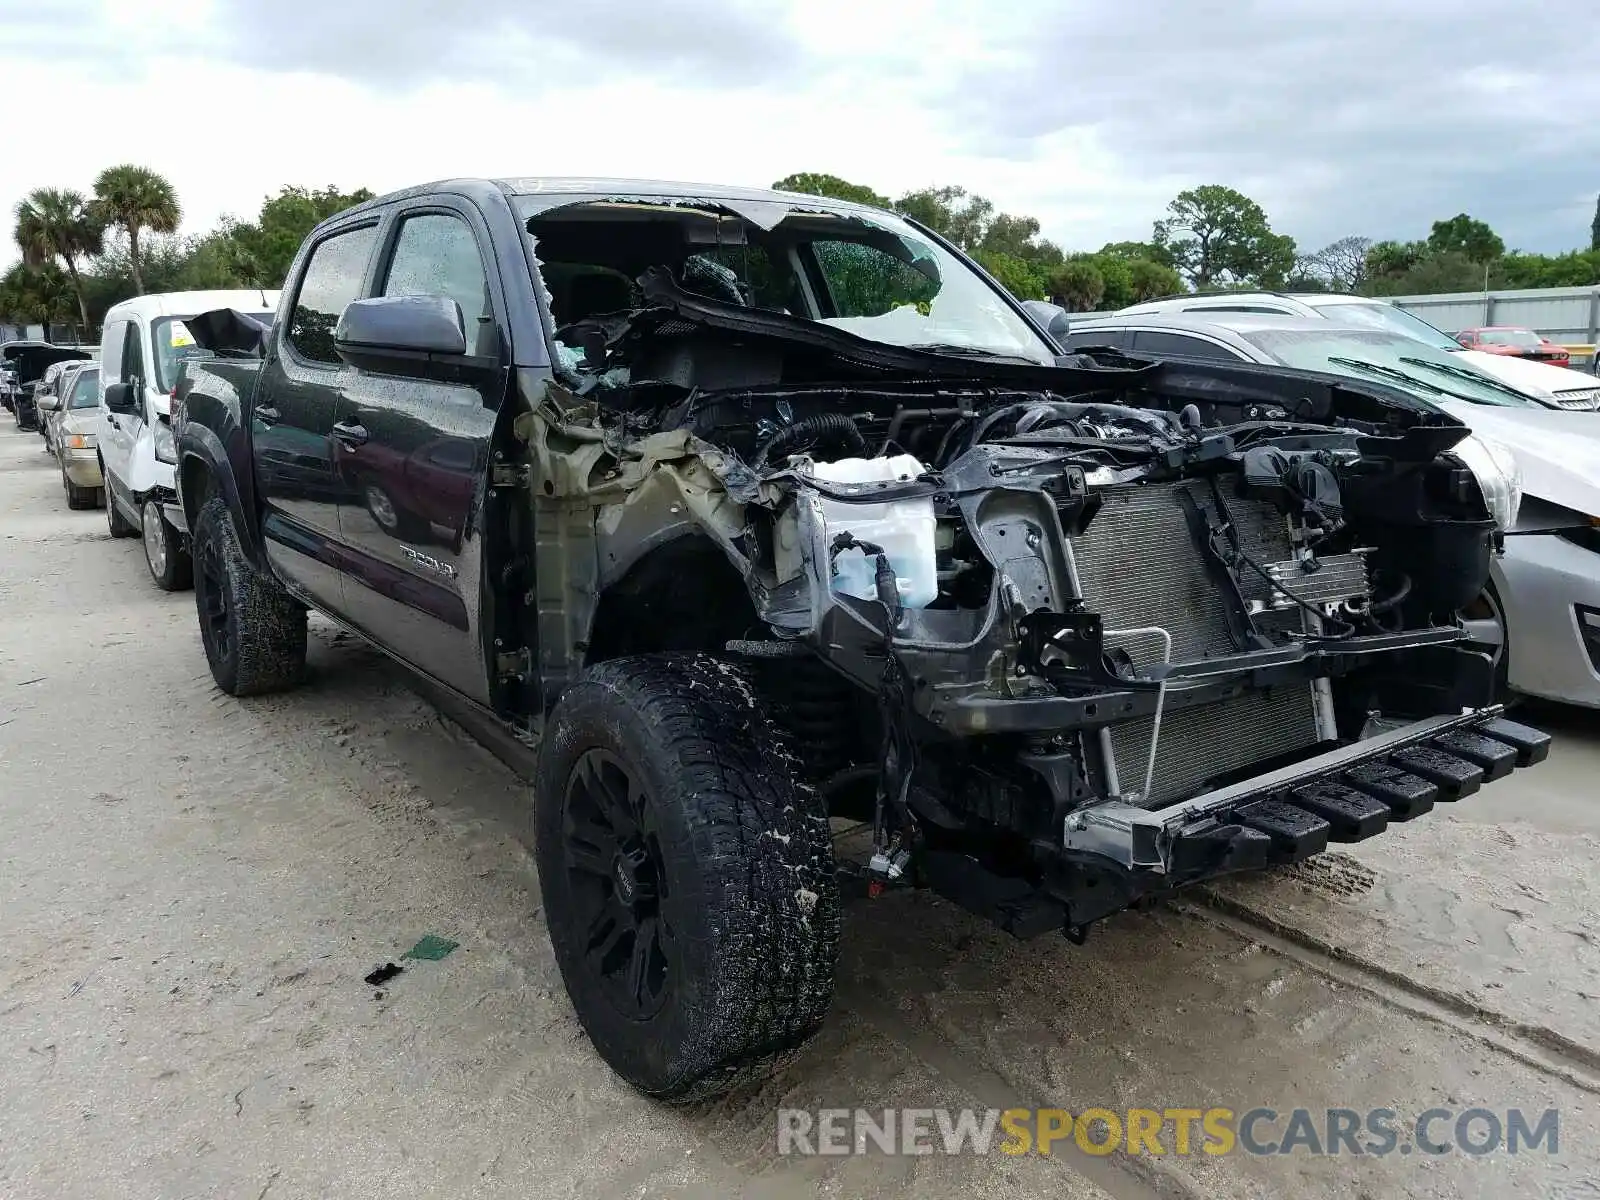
136,198
58,223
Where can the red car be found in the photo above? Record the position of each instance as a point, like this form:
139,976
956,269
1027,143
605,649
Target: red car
1514,340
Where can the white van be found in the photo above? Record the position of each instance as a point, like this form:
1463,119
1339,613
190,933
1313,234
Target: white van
141,348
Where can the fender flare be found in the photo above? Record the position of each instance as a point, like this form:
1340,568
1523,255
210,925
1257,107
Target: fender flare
201,457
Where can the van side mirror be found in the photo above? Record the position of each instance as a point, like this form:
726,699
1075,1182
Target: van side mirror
121,398
48,403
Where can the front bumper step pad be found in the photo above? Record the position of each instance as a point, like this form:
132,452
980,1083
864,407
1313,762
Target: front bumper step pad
1346,796
1352,816
1407,795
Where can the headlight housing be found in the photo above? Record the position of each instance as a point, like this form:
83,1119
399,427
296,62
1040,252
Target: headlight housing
80,441
1499,477
166,447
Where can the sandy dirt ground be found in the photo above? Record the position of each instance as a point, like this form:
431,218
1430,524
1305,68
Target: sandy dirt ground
192,887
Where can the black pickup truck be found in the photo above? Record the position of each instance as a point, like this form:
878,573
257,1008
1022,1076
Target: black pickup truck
758,513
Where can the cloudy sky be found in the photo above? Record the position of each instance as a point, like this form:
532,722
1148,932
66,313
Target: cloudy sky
1354,116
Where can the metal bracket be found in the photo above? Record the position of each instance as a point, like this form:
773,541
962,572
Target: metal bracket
515,664
508,475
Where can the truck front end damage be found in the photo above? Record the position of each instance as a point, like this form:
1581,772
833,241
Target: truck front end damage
1066,637
1158,653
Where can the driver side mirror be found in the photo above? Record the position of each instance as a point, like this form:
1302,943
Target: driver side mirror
400,335
1052,316
121,398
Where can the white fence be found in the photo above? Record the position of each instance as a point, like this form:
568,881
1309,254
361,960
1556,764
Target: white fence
1569,315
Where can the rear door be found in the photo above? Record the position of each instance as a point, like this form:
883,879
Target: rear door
296,403
413,457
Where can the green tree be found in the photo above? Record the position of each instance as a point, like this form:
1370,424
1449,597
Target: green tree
135,199
1388,259
1148,251
1214,234
1463,235
57,225
951,211
258,254
1078,285
1017,275
1576,268
1594,229
1148,280
36,295
1432,274
814,183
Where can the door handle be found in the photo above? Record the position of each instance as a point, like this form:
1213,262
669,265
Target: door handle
350,433
267,415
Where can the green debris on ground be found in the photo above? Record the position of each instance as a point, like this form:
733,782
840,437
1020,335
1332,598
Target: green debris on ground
431,948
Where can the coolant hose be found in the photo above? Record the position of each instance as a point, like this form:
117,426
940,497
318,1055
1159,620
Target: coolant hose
1392,601
835,430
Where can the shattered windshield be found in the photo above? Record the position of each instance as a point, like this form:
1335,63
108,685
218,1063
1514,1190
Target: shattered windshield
871,276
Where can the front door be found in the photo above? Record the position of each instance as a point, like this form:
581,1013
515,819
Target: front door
413,458
291,420
122,361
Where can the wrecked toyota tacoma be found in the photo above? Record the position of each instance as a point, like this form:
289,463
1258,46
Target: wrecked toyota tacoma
768,519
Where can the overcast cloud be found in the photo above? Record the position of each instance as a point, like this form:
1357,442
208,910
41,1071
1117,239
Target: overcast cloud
1358,117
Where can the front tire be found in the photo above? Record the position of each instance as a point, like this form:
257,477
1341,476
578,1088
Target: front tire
116,523
79,497
164,551
254,633
1489,630
687,875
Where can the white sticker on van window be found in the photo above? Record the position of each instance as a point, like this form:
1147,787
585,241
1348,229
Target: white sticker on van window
181,335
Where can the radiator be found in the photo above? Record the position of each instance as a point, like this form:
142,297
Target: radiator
1139,565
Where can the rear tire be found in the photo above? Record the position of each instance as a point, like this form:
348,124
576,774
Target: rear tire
687,875
254,633
164,552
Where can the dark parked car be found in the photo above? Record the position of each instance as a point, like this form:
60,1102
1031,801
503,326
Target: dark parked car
29,360
779,509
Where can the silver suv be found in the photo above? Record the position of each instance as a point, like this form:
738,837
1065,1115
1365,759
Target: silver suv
1557,387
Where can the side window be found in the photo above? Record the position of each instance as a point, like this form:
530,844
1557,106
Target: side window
86,390
1154,342
111,351
133,355
331,281
867,282
1117,339
437,255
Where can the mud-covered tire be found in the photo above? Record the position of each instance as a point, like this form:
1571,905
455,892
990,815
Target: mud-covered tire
254,633
747,907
